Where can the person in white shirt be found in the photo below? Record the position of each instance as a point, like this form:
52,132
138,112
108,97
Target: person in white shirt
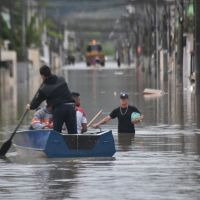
80,114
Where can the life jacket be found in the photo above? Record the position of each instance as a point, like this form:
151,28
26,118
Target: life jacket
42,119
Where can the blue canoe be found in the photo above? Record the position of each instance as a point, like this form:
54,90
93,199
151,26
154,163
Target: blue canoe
53,144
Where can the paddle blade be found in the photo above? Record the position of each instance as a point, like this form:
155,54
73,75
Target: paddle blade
5,147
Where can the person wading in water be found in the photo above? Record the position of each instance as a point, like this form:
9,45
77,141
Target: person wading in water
123,114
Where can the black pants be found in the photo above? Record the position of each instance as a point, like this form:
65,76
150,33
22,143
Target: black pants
64,113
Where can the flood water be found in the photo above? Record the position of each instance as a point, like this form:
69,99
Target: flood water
161,162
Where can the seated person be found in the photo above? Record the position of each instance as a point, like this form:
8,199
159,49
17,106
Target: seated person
80,114
43,118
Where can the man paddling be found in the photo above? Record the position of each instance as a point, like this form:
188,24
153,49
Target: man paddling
123,114
57,94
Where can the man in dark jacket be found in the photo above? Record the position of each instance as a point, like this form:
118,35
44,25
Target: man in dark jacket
57,94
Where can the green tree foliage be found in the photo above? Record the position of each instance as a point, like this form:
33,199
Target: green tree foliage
108,49
32,34
51,29
17,10
4,34
189,18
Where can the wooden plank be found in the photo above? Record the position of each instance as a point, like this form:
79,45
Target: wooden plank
149,91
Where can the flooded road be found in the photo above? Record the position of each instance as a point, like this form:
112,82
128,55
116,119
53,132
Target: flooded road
161,162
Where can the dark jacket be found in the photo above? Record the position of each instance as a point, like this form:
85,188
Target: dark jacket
54,90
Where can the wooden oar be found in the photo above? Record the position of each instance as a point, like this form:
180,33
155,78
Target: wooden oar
93,119
6,146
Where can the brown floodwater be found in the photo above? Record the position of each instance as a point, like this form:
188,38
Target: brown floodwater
161,162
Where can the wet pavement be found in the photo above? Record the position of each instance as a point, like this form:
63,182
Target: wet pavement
161,162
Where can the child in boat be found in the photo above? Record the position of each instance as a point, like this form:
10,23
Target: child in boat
80,114
43,118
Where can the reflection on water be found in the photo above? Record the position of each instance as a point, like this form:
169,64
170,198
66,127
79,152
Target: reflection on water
60,178
38,180
149,166
125,141
161,162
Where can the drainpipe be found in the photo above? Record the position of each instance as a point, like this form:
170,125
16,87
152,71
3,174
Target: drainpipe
179,71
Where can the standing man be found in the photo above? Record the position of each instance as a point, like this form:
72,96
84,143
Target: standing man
123,114
57,94
80,114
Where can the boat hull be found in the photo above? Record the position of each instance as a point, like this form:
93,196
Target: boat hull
50,143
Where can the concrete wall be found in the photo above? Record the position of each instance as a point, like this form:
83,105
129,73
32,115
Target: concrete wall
187,59
28,77
55,63
34,79
11,56
8,85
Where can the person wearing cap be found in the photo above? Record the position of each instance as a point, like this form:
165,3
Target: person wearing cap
42,118
123,114
57,94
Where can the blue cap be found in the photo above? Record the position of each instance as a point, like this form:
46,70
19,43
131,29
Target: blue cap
123,95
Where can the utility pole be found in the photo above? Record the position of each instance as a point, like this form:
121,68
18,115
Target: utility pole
0,34
156,31
197,45
179,70
197,58
24,7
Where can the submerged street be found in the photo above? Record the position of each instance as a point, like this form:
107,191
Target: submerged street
148,50
162,161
